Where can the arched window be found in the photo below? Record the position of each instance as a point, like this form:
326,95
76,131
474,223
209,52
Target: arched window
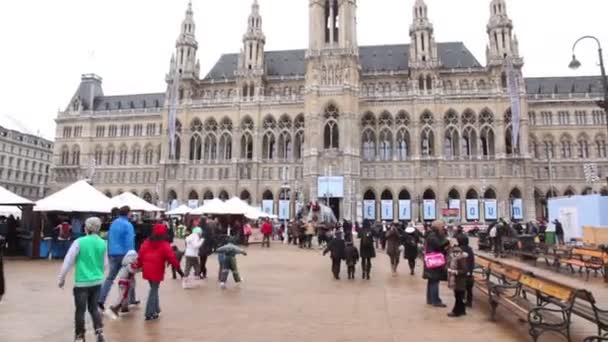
210,148
429,82
331,133
489,194
566,147
196,147
402,144
487,142
110,156
75,155
208,195
421,82
369,145
98,155
386,145
149,155
245,196
147,197
454,194
136,155
246,146
600,146
548,147
451,143
267,196
472,194
122,155
427,142
178,148
469,142
268,146
224,196
583,147
285,146
299,145
193,195
65,155
225,147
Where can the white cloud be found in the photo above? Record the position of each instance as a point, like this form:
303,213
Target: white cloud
46,45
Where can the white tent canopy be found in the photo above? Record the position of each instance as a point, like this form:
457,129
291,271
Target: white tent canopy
78,197
236,206
8,198
256,214
181,210
212,207
134,202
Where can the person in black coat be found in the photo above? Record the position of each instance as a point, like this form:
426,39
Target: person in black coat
366,249
208,246
559,232
463,243
336,247
347,227
351,254
436,242
410,252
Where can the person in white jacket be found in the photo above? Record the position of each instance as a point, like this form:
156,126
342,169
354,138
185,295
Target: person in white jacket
194,242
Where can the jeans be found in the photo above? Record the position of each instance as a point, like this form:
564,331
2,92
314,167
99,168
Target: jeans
230,265
432,292
153,303
85,298
115,265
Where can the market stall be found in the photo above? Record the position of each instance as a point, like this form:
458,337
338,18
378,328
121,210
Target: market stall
133,202
69,207
16,233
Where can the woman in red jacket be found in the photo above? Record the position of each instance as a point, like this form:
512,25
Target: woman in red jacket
266,232
154,254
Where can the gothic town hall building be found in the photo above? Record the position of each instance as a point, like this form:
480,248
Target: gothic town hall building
380,132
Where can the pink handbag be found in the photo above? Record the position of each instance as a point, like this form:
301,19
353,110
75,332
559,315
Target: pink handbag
434,260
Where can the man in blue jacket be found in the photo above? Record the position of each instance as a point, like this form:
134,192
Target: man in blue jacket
121,240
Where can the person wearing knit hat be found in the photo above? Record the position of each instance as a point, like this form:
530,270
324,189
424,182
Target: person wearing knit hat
154,254
88,255
194,242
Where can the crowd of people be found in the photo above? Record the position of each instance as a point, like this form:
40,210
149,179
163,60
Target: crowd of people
204,237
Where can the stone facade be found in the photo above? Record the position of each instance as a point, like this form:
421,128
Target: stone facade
424,121
25,163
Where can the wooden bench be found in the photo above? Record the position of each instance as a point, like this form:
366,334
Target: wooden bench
510,287
588,259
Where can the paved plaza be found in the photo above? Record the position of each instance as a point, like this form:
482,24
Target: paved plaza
288,295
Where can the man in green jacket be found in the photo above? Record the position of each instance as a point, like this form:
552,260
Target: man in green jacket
88,255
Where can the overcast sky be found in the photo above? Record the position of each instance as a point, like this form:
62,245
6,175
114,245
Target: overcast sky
46,45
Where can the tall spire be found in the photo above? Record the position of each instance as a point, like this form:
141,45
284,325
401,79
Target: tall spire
423,49
187,46
252,54
502,42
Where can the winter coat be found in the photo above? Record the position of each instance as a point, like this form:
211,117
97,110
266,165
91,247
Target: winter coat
266,228
559,229
155,252
366,246
209,240
336,248
193,244
436,243
458,272
129,266
393,241
351,254
229,250
411,241
121,237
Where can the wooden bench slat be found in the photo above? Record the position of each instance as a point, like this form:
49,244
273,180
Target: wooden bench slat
588,252
552,289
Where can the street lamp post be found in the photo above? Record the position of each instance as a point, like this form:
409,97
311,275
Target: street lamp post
575,64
